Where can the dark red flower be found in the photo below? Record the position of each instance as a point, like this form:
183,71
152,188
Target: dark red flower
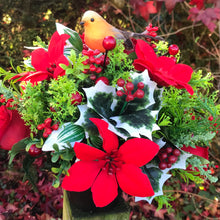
104,170
163,70
46,63
12,128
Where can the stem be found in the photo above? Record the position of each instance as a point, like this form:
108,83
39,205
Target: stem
105,60
123,107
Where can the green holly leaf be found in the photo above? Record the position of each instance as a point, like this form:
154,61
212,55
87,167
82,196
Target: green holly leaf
74,42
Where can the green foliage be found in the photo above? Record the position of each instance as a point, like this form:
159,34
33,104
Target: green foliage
189,115
198,165
74,70
34,105
60,92
62,160
188,175
40,43
164,200
120,65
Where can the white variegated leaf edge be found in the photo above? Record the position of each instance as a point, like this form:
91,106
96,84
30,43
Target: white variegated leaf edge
180,164
53,139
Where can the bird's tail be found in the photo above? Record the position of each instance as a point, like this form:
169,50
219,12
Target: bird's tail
145,36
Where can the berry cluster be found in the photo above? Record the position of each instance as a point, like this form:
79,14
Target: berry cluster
128,87
152,31
94,61
215,127
76,98
168,156
47,127
34,150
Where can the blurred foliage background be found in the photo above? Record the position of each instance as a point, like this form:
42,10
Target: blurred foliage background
22,20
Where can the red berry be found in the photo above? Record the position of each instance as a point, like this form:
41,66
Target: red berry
86,62
92,59
163,156
41,126
193,117
47,122
172,159
140,85
98,61
55,127
174,59
98,70
85,71
162,165
173,49
76,98
96,52
169,165
109,43
129,86
103,79
119,93
120,82
92,68
210,118
92,77
176,152
48,131
169,150
129,97
45,135
34,151
139,93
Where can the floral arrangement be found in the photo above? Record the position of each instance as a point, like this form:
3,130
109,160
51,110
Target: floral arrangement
125,120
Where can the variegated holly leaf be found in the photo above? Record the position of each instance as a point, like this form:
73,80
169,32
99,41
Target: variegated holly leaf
67,133
73,43
126,119
158,177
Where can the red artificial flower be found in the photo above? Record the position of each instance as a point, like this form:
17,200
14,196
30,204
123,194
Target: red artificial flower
198,151
12,128
46,63
163,70
104,170
199,3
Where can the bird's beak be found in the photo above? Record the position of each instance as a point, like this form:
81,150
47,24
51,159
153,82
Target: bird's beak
82,23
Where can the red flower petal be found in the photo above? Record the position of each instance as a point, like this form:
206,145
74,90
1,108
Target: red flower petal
104,189
5,119
133,182
59,71
110,139
198,151
22,75
38,76
40,59
86,152
181,72
81,176
15,131
56,46
138,151
145,52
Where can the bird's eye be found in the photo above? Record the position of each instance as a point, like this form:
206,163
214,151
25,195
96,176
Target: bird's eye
92,19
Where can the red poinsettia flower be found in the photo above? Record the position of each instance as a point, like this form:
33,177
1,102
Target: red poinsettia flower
103,171
12,128
46,63
163,70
